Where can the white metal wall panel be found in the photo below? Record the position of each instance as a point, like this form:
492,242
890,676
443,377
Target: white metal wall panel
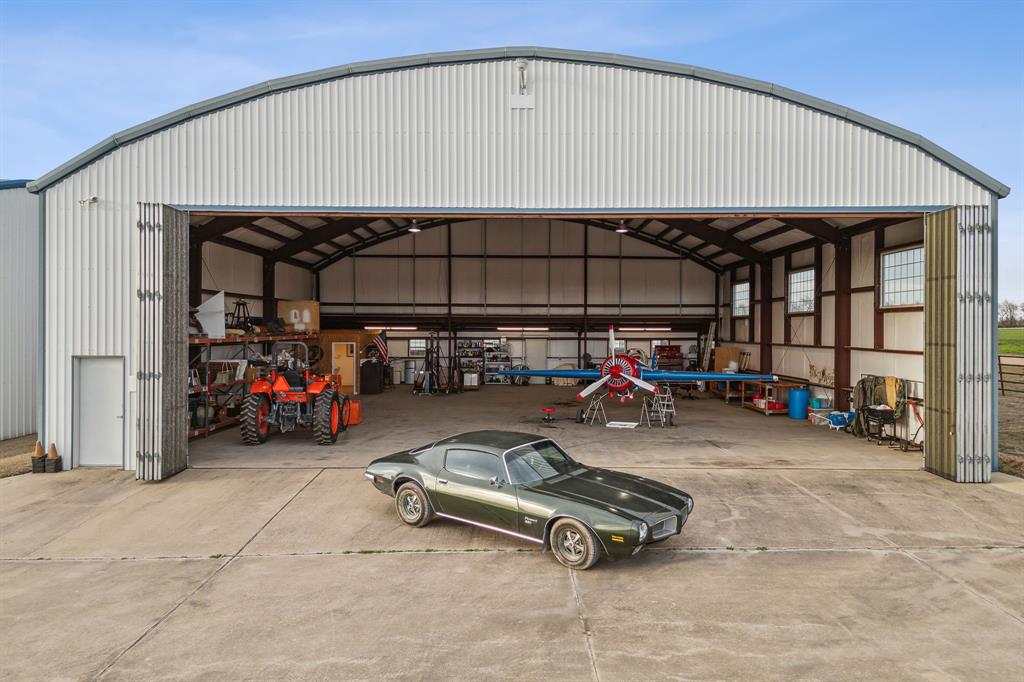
445,136
828,321
19,311
231,270
862,319
828,267
291,282
862,260
520,282
904,330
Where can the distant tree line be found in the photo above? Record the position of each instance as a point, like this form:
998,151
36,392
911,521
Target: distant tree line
1011,314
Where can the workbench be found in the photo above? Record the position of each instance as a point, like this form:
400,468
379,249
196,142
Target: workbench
773,391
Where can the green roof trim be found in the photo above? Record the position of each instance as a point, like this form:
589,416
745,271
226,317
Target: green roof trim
464,56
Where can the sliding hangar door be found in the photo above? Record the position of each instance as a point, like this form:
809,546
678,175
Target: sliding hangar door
678,155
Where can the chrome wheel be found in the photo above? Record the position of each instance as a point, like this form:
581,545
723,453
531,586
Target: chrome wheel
411,505
572,544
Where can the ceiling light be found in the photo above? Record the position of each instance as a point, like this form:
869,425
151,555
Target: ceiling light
390,329
413,227
522,329
645,329
622,227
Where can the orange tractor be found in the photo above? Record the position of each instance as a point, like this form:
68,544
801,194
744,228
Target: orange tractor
289,396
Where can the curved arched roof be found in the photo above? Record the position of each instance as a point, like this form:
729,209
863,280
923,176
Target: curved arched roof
464,56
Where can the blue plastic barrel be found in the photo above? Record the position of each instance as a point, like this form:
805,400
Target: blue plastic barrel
798,398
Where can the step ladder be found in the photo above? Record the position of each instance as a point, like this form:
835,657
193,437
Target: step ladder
659,407
595,410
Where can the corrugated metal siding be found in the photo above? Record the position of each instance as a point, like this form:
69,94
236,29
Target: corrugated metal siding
19,311
445,136
600,137
974,284
940,397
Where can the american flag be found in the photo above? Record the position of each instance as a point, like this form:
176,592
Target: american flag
381,343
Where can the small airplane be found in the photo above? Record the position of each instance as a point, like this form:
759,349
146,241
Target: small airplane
623,375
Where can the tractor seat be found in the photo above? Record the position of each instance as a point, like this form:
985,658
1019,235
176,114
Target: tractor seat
294,379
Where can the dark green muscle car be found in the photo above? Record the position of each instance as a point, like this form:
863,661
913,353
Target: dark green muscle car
526,486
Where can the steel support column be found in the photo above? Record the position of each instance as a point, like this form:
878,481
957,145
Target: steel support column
841,352
766,318
269,290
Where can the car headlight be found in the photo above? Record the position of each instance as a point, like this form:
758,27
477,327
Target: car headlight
642,531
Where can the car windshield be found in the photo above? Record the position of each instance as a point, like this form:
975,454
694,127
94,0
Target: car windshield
538,462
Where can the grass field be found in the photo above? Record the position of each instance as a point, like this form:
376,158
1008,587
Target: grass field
1011,340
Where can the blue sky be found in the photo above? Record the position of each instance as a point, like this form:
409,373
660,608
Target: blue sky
72,73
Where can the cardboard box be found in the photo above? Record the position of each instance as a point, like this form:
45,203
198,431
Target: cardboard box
301,316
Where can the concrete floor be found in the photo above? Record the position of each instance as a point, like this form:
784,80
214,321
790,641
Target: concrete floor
809,555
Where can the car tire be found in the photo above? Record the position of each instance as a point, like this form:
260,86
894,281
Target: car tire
413,505
574,544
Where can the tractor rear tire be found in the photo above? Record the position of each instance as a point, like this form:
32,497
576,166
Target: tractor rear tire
328,417
253,419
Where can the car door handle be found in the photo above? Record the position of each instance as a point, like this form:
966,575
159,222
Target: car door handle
443,481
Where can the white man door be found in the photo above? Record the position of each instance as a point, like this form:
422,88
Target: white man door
99,411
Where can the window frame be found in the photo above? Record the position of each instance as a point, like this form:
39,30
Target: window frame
733,299
789,291
419,353
881,277
499,462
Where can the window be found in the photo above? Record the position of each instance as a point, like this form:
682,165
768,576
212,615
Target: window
472,463
801,291
417,346
741,299
903,277
537,462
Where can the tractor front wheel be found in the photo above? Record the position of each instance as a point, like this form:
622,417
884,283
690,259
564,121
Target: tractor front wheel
328,416
254,424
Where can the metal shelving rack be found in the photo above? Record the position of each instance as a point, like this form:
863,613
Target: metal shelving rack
218,394
497,357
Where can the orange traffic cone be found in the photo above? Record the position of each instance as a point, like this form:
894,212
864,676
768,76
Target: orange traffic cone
39,459
54,463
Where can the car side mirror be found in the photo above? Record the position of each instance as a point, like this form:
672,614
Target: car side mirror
495,481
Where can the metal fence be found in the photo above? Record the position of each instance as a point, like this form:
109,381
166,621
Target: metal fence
1011,374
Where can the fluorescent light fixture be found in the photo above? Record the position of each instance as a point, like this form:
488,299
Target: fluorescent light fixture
645,329
522,329
621,229
413,227
390,329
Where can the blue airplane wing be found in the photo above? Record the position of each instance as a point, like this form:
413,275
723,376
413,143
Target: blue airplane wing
691,377
554,373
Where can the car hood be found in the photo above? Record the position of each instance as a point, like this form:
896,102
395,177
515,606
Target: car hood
616,491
